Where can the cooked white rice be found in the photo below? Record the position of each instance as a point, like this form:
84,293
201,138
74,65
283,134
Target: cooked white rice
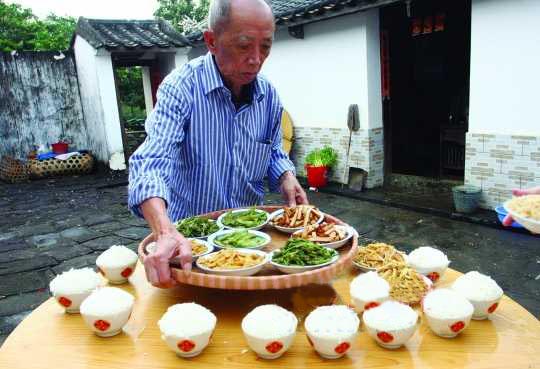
332,321
391,316
447,304
426,257
269,321
477,287
106,301
75,281
187,319
369,286
116,256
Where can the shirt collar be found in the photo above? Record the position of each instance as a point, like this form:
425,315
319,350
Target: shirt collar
212,79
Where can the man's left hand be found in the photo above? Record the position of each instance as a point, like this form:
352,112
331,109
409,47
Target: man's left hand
292,192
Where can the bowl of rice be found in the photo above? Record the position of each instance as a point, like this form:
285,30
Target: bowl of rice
70,288
368,290
447,312
233,262
526,211
391,324
428,261
269,330
107,310
117,263
481,291
187,328
331,330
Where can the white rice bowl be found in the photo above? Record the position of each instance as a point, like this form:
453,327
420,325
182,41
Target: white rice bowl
391,324
368,290
447,312
269,330
72,287
332,329
117,263
187,328
107,310
481,291
428,261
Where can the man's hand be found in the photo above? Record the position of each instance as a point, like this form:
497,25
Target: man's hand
292,192
168,245
507,221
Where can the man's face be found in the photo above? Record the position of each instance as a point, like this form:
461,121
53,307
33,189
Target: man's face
243,45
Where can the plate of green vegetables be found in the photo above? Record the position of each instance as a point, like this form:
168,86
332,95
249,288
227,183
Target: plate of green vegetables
251,218
197,227
300,255
239,239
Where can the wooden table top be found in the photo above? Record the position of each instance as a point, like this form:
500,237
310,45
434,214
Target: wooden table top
48,338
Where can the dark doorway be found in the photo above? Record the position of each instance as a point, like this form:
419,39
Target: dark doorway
425,65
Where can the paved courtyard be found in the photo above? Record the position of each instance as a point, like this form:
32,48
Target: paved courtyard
50,226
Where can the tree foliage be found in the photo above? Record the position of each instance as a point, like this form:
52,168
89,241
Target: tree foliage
183,14
130,89
20,29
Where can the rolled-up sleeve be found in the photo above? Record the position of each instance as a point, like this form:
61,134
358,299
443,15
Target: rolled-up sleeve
151,164
279,160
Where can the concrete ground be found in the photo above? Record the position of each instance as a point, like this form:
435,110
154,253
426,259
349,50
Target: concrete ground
49,226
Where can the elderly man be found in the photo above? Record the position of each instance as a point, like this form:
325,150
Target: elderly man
213,135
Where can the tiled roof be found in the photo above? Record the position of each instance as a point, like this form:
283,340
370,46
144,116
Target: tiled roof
291,12
129,34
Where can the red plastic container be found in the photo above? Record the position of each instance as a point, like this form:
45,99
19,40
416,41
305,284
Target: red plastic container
60,148
317,176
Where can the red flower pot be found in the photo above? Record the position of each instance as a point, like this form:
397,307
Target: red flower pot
317,176
60,148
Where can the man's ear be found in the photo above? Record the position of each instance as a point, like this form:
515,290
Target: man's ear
210,40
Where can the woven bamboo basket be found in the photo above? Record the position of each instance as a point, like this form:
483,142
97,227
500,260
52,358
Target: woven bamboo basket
76,164
13,170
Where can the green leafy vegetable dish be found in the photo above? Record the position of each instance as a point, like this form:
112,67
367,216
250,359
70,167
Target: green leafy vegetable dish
244,219
197,227
299,252
239,239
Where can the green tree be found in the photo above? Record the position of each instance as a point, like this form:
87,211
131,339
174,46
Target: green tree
183,14
130,87
20,29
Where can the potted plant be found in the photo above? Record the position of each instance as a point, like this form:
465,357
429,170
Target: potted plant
318,163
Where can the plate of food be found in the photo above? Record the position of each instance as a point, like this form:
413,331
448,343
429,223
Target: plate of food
300,255
374,256
290,220
239,239
198,248
197,227
406,284
526,211
251,218
326,234
231,262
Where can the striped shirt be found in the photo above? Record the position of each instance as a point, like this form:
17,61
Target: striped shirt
203,154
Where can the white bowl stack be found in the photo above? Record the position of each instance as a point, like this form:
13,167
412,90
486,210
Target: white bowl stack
187,328
269,330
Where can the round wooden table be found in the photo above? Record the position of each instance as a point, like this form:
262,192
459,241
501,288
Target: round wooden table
48,338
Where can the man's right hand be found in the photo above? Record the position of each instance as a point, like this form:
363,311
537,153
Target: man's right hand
507,221
168,245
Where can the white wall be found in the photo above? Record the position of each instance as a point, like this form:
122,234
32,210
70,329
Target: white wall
147,88
98,95
335,65
505,67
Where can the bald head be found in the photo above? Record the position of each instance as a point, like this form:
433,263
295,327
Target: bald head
221,12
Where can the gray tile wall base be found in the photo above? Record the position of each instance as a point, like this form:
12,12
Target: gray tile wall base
499,163
366,151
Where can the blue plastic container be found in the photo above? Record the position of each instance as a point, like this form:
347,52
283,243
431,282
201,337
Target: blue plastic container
501,213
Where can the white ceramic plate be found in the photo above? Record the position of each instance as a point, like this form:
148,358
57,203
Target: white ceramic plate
368,269
212,238
236,272
287,229
222,216
150,248
530,224
202,237
349,232
293,269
